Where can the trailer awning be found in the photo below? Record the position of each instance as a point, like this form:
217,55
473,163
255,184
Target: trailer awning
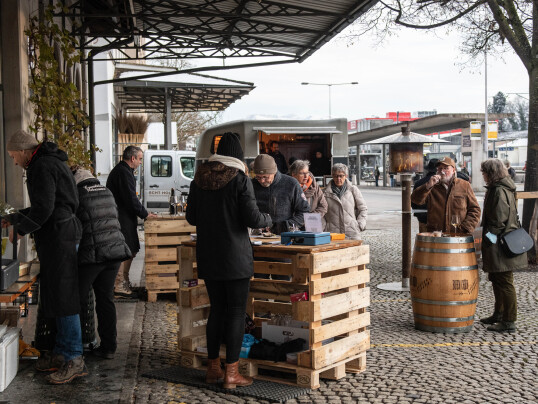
297,130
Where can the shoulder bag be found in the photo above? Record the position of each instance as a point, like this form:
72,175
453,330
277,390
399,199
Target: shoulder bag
516,242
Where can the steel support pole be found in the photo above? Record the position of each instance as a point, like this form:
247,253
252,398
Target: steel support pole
168,122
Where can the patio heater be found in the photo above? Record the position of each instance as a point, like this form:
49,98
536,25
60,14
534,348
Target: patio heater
406,158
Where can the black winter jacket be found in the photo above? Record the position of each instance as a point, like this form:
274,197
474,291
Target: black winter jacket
221,205
284,200
54,201
122,183
102,240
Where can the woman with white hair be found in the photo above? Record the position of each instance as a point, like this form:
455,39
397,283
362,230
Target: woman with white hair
347,209
314,194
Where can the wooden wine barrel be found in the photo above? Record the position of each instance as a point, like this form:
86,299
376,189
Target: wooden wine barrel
444,283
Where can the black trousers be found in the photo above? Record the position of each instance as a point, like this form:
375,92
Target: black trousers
101,277
505,294
226,322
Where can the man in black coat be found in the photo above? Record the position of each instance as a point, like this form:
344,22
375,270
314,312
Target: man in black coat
100,253
222,206
122,183
280,160
54,201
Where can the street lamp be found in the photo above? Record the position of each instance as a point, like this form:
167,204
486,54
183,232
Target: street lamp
329,85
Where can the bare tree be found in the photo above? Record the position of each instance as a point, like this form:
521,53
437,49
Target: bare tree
493,26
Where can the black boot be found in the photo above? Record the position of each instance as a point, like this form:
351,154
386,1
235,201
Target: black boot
495,318
503,326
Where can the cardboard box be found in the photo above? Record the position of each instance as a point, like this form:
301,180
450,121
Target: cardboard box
280,334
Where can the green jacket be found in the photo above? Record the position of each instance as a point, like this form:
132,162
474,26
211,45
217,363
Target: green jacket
500,217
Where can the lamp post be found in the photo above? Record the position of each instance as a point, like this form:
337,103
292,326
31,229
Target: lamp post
329,85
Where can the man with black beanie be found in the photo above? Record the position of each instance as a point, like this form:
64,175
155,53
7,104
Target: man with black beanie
221,204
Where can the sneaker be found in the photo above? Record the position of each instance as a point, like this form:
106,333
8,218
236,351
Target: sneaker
49,362
124,291
103,353
69,371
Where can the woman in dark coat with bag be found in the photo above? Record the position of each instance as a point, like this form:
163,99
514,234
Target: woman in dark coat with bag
500,217
221,204
100,253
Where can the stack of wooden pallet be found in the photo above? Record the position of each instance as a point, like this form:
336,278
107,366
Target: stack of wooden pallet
334,276
163,235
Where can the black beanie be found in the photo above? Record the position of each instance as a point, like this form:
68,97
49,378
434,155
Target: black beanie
229,145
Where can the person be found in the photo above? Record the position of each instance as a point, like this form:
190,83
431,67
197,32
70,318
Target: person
280,160
279,195
377,174
320,166
54,201
465,171
314,194
222,206
100,253
500,217
446,195
511,170
431,169
347,210
121,182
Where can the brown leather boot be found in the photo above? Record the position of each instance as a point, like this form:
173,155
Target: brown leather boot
214,371
232,378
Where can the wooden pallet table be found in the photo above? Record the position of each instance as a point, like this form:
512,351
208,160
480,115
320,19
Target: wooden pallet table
334,276
163,235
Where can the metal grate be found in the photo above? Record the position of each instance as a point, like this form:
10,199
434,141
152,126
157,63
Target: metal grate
261,389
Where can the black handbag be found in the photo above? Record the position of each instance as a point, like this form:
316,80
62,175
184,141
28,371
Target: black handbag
517,241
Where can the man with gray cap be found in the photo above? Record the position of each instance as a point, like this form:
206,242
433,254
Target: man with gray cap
279,195
445,195
54,201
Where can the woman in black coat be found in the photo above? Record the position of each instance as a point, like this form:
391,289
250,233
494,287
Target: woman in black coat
101,250
221,204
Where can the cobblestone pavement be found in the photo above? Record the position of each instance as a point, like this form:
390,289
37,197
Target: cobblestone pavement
403,365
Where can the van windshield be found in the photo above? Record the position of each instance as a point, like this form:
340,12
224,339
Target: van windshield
187,166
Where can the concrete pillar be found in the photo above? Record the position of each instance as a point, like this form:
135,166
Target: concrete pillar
477,157
168,122
16,108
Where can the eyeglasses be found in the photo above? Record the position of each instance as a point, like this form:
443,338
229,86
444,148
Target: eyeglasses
444,168
339,176
263,178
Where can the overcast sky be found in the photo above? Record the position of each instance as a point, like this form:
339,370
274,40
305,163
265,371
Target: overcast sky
413,71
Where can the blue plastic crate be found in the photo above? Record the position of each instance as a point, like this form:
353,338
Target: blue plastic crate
305,238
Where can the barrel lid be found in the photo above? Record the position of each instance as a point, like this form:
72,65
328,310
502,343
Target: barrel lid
428,237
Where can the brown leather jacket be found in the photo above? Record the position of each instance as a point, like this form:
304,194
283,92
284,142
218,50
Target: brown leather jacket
458,199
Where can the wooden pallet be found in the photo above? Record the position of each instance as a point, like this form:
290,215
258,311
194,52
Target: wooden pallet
283,372
162,237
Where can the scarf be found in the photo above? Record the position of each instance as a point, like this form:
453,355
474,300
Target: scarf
339,191
228,161
308,183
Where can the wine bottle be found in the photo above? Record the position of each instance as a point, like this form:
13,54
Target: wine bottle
173,206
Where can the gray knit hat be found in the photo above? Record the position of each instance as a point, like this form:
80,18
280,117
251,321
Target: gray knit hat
82,174
264,164
21,140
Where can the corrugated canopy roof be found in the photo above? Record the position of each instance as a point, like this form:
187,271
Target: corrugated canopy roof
285,29
187,92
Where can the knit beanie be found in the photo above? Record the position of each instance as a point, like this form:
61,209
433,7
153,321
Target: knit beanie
264,164
21,140
82,175
229,145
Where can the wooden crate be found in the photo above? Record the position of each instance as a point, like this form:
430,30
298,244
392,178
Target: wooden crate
162,237
335,278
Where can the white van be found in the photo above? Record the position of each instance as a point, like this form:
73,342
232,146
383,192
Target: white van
162,171
297,138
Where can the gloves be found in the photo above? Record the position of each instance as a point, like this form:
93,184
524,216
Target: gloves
491,237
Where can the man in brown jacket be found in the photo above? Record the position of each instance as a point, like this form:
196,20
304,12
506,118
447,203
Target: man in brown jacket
446,195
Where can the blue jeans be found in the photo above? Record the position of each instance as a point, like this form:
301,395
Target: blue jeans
68,337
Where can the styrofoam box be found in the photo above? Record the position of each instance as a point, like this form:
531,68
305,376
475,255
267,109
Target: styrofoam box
9,357
280,334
